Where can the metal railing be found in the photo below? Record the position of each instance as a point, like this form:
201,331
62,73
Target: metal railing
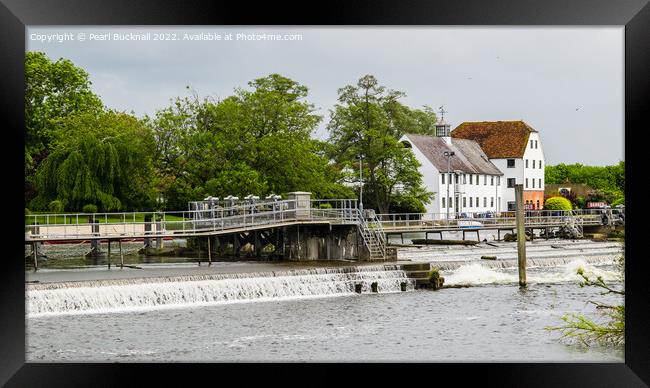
163,224
533,218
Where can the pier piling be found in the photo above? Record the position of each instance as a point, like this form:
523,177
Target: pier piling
521,234
209,253
121,255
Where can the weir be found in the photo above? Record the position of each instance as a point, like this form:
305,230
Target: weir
146,293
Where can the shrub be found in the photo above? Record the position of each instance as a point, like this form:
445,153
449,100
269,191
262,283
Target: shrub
90,208
55,206
581,203
619,201
27,212
325,206
558,203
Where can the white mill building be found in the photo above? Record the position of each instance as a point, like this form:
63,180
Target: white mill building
473,169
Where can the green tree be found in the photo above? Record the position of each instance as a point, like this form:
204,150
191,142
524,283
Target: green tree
368,122
608,181
101,159
256,141
54,90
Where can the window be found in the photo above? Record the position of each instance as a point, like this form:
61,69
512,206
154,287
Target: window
538,204
471,179
484,201
511,206
526,182
498,181
540,183
477,176
531,144
533,163
477,203
456,179
526,163
511,163
449,202
540,164
533,182
491,201
535,143
471,202
484,180
443,202
451,180
464,202
511,182
491,181
443,180
464,178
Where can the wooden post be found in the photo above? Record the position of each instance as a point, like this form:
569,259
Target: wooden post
121,254
521,234
109,247
209,253
35,249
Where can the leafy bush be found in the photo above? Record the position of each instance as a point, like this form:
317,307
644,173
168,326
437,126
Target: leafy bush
90,208
325,206
27,212
618,201
581,202
55,206
558,203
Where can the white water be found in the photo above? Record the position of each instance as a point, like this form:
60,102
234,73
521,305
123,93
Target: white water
480,274
173,292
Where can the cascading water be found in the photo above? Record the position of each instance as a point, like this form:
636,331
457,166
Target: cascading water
481,274
141,294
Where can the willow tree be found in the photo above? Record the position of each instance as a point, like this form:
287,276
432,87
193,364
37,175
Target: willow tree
100,159
54,90
368,122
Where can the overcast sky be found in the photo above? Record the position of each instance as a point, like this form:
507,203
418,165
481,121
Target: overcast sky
565,82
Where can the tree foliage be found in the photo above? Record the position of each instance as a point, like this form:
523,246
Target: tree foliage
368,122
102,159
557,203
585,330
609,181
257,141
54,90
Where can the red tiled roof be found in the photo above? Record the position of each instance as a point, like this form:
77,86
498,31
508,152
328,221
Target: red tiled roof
498,139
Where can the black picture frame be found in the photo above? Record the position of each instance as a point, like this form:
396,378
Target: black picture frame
633,14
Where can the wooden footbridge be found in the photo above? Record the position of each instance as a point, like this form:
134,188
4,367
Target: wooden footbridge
330,228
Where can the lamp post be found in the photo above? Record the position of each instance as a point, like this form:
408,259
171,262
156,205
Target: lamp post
360,157
448,155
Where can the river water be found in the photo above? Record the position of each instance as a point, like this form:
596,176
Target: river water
315,315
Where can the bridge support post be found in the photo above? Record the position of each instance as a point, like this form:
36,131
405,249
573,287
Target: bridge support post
209,253
159,240
147,230
35,250
121,254
94,244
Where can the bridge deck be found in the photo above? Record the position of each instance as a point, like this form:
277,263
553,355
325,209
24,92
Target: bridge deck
244,218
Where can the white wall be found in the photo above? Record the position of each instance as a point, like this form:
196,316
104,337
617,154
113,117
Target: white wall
535,154
508,194
430,177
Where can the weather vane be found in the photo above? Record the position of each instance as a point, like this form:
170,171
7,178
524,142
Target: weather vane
442,112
